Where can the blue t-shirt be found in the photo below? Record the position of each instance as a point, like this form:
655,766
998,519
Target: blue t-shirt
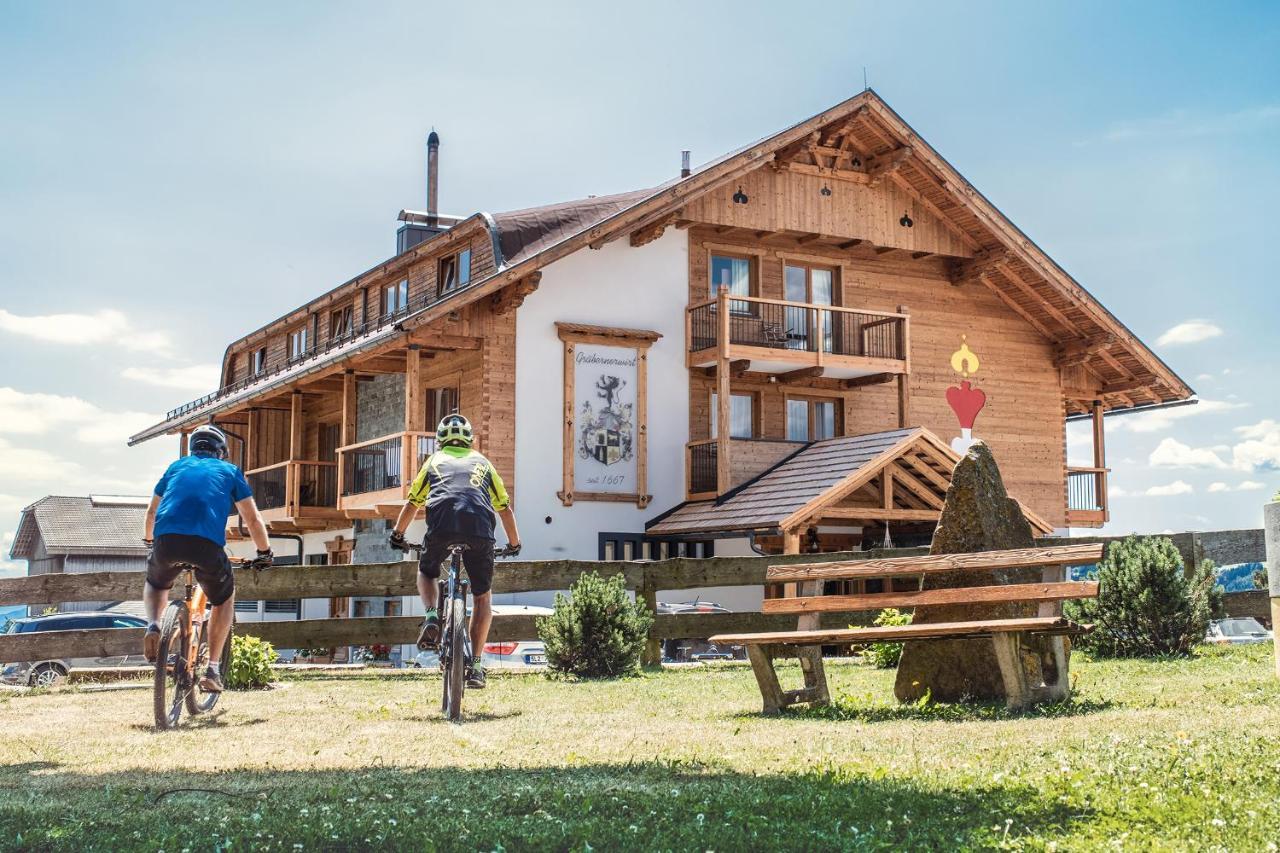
197,493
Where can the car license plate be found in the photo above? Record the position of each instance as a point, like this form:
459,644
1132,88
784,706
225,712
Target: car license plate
535,659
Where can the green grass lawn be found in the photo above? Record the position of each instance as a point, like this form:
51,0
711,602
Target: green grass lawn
1148,755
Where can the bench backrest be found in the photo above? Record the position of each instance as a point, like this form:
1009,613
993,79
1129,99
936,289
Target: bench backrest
1054,559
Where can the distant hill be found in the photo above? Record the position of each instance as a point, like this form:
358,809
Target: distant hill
1239,577
1235,578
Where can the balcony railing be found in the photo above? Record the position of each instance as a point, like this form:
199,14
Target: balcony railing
380,464
295,485
359,330
1087,497
746,458
775,324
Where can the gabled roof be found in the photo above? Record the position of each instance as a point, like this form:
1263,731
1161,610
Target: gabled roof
838,478
1087,337
82,525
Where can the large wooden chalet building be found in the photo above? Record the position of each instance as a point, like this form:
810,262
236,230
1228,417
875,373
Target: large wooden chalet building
782,349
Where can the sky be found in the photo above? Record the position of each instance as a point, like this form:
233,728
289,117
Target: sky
172,176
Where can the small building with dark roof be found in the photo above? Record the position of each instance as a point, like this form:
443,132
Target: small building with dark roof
97,533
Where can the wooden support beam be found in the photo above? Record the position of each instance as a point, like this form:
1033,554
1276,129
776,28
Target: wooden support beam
1005,270
415,407
873,379
295,425
800,375
904,378
879,513
885,165
512,297
849,244
982,263
723,394
1075,353
648,233
1016,308
819,171
1127,387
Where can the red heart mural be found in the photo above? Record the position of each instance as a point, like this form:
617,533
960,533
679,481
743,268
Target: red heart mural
966,402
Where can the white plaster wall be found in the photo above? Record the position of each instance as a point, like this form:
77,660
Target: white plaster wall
620,286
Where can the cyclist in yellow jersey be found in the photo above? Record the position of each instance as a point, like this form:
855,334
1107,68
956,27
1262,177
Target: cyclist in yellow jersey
462,492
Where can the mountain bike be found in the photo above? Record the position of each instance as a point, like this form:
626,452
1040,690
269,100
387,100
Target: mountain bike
455,633
184,653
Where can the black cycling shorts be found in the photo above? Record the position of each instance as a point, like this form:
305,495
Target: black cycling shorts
477,559
173,552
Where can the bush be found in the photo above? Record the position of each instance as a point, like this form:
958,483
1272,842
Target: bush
596,631
886,655
1148,604
251,661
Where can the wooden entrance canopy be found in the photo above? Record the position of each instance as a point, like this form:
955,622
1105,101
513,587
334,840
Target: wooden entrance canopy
879,478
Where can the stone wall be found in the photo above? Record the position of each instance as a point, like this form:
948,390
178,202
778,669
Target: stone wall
1224,547
379,407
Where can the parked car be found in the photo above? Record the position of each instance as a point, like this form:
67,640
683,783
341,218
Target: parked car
675,651
42,673
1237,631
512,654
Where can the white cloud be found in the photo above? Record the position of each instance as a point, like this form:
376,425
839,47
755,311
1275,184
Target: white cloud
1117,492
1189,332
28,465
107,327
1261,447
1204,377
1250,486
1177,487
197,377
1172,453
1161,419
1219,487
38,414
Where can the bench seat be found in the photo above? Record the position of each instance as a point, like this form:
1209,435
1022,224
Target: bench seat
938,630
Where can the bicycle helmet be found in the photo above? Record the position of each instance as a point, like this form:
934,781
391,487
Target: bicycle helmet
208,439
455,430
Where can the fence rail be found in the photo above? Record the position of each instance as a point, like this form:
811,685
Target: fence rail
647,579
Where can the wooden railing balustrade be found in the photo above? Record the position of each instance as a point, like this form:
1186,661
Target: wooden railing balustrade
777,324
1087,497
380,464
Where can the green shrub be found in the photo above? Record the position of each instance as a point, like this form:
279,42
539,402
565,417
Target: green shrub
251,661
1148,604
596,631
886,655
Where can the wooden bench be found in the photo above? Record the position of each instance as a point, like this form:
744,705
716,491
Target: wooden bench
1006,635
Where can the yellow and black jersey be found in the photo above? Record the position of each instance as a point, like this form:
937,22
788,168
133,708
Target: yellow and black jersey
461,490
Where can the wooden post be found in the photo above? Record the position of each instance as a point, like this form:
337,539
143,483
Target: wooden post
723,393
648,593
642,436
347,427
415,409
251,439
1100,459
184,441
904,378
295,453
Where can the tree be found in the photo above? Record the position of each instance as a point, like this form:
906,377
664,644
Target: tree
596,631
1148,602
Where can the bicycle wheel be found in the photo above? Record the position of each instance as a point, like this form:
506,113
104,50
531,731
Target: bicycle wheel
456,678
198,701
172,682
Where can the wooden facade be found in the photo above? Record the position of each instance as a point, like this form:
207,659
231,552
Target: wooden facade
870,263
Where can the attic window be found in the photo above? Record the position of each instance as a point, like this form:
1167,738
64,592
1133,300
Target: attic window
258,361
455,271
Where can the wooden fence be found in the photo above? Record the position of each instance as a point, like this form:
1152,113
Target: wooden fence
647,579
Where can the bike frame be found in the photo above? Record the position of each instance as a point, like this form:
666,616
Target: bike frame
196,601
453,586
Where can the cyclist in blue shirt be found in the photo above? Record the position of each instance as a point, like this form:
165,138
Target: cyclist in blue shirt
186,525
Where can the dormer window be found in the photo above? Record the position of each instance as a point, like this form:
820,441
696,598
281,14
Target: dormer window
341,322
395,297
258,361
455,271
298,340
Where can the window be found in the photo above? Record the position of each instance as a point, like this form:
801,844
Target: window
281,605
391,607
734,273
395,297
811,420
298,342
246,605
440,402
455,271
742,415
341,322
258,361
813,286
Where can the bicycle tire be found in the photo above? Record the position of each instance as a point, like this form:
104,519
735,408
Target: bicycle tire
199,702
456,677
168,691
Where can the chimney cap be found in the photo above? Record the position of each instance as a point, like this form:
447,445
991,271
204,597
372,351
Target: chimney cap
433,138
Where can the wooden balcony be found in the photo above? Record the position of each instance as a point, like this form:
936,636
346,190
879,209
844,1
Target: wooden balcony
777,336
747,457
1087,497
296,494
374,476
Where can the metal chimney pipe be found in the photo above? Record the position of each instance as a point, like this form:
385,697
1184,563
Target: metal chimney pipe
684,164
433,173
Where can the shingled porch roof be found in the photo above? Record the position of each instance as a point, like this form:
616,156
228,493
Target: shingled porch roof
839,479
